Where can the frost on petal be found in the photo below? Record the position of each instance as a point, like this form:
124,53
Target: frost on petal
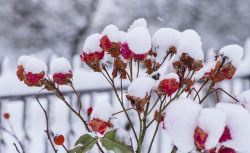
141,22
112,32
234,53
92,44
139,91
238,124
190,43
138,40
212,122
163,40
181,121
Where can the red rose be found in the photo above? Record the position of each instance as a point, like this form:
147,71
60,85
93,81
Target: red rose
226,150
168,86
92,57
226,135
32,79
6,115
105,43
99,125
20,72
62,78
200,138
128,54
89,111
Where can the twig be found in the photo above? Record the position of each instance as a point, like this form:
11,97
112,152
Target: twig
78,96
16,148
47,125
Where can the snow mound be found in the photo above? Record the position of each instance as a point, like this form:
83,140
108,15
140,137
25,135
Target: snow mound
112,32
238,122
141,87
60,65
22,60
121,36
92,43
190,43
138,40
181,119
212,121
141,22
35,65
102,111
233,52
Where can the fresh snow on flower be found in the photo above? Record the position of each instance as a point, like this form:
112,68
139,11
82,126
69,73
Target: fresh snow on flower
244,98
233,52
141,22
92,43
163,39
190,43
212,121
121,36
35,65
112,32
102,111
141,87
60,65
181,119
238,122
138,40
22,60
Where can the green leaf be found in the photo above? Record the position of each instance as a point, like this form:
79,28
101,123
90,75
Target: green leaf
110,142
85,143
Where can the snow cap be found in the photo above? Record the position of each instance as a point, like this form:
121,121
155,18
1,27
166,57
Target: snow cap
233,52
138,40
112,32
181,121
60,65
190,43
35,66
92,43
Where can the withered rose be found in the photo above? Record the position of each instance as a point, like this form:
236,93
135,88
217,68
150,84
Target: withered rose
93,59
99,125
62,78
34,79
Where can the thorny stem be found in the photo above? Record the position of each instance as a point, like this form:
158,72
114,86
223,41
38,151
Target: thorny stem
122,111
120,101
78,97
156,129
47,126
131,69
138,69
220,89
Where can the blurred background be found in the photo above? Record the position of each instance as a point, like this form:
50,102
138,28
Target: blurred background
49,28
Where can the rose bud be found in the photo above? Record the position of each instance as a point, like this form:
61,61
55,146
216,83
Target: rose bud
6,115
22,60
61,70
92,52
99,125
168,84
34,72
59,140
89,111
137,44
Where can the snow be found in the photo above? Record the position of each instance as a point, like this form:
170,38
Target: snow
212,121
141,22
112,32
92,43
22,60
138,40
233,52
121,36
238,122
190,43
181,119
162,40
123,135
60,65
102,111
244,98
35,65
141,87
